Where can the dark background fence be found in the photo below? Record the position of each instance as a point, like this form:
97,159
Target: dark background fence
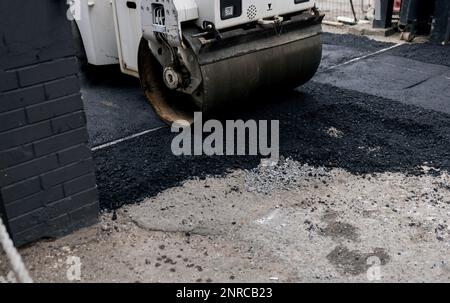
343,8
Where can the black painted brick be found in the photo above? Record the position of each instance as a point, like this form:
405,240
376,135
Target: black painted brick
24,135
74,154
16,155
30,234
28,169
12,119
33,31
51,212
21,97
72,203
47,71
28,220
21,189
35,201
8,81
51,228
58,226
48,161
79,184
3,213
59,142
62,87
67,173
80,208
68,122
54,108
85,216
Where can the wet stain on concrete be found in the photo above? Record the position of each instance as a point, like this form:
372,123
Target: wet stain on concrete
355,262
340,230
336,229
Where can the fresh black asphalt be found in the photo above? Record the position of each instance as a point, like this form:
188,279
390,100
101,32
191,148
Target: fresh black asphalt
383,128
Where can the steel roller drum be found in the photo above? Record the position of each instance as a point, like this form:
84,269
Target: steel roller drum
242,63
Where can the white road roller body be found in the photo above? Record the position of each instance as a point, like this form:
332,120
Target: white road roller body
205,55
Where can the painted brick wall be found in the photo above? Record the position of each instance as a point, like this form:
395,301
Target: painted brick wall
47,181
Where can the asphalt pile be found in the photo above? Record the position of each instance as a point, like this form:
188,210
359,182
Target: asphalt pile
286,175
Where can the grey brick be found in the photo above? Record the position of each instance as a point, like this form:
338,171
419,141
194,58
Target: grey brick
74,154
47,71
12,119
62,87
67,173
16,155
21,97
68,122
21,190
59,142
24,135
54,108
79,184
28,169
33,202
8,81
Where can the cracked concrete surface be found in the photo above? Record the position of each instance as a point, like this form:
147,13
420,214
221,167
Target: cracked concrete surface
324,228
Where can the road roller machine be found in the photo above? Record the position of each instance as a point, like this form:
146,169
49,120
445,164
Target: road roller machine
209,55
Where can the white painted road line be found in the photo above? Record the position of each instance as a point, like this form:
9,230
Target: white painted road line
365,56
127,138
